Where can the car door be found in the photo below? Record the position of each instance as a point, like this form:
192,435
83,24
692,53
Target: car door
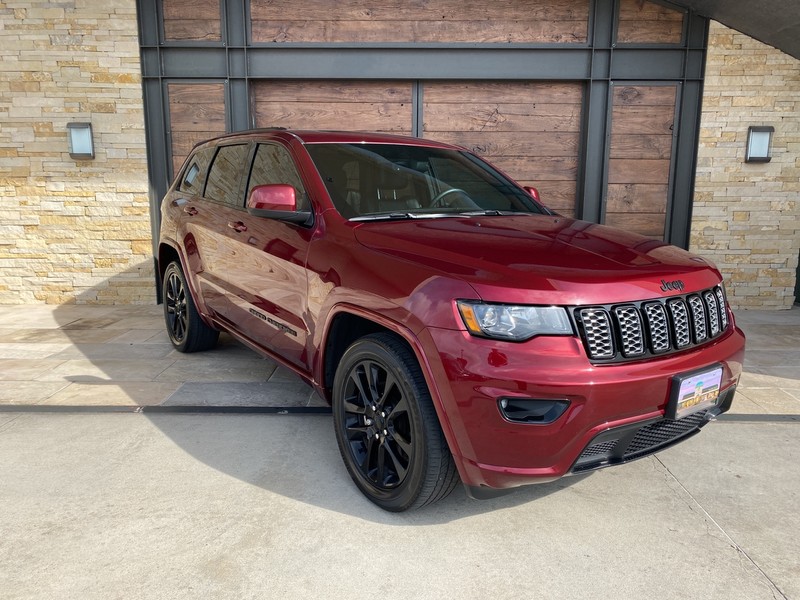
206,225
268,281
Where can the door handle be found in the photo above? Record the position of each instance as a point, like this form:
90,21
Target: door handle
237,226
190,210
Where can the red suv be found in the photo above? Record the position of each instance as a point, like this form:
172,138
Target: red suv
457,326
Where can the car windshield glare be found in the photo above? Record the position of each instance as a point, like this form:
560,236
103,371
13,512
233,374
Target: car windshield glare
366,180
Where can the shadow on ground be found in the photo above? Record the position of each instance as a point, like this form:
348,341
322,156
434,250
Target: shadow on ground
119,358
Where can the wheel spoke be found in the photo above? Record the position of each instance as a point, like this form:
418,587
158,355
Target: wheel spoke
351,407
356,432
177,328
372,372
399,409
399,469
380,475
403,443
389,387
174,288
356,377
370,459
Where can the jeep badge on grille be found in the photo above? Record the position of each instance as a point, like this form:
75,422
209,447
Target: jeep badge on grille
667,286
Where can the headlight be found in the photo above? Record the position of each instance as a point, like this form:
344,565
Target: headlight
515,323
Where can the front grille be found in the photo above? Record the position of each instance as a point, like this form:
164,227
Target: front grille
638,329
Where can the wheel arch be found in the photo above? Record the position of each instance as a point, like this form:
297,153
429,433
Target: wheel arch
349,323
168,251
166,254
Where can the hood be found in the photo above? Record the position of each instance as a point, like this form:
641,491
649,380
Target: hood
542,259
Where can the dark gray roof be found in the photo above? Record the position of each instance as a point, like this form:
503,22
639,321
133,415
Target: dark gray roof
774,22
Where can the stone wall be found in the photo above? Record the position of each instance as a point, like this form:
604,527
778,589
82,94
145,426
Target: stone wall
746,216
72,231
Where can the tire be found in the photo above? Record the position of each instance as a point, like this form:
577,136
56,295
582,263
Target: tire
186,330
386,426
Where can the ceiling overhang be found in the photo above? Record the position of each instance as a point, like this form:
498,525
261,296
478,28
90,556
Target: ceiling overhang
774,22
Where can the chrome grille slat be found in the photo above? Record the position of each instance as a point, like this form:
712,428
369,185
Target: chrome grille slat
680,322
713,313
597,329
723,313
658,327
630,329
699,326
652,327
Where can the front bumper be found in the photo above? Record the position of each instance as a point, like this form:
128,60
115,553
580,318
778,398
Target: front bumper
607,403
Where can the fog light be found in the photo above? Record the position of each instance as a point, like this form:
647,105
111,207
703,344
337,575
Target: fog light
529,410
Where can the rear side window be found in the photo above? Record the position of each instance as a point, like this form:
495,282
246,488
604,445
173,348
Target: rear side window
195,176
225,176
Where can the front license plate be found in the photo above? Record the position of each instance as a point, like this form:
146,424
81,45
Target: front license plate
693,391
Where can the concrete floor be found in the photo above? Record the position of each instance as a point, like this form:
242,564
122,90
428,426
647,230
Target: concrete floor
156,505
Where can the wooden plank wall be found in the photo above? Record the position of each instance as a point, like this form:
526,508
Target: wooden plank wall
531,130
644,22
192,20
475,21
383,106
639,160
196,113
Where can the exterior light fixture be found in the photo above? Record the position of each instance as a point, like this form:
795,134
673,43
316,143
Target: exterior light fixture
81,146
759,144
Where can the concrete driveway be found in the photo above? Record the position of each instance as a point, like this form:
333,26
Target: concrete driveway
100,498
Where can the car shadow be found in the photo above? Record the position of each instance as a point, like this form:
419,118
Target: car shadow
294,455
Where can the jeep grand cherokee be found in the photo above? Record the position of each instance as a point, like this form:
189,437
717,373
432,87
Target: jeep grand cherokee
458,327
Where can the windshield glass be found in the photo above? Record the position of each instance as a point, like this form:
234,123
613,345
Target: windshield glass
374,180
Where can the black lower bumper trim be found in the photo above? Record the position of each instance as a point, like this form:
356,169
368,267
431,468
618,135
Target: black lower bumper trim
627,443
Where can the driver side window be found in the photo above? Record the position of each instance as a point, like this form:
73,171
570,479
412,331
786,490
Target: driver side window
274,164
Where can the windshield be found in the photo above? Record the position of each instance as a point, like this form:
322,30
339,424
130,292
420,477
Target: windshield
389,180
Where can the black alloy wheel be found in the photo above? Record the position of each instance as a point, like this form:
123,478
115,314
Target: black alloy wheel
386,426
186,330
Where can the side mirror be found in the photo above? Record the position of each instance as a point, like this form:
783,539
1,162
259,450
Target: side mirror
534,193
276,201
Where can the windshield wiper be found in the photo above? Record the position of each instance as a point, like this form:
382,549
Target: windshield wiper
492,212
399,216
385,217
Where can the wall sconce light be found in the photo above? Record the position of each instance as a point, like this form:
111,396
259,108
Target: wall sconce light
81,146
759,144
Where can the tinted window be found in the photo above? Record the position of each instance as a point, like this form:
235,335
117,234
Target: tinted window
195,175
274,164
225,176
375,179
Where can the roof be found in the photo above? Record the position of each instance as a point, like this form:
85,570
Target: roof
329,137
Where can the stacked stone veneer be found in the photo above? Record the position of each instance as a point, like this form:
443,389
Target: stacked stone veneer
746,216
72,231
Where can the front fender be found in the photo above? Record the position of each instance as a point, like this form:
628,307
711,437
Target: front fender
398,324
